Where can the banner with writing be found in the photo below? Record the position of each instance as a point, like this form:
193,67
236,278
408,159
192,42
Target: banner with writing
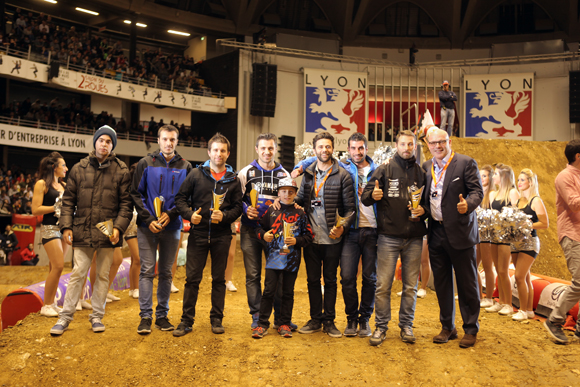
45,139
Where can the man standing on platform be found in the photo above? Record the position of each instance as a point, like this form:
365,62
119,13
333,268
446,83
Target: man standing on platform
447,100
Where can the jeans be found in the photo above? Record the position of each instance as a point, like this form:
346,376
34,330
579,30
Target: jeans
570,296
447,118
197,248
322,260
83,256
277,280
388,251
252,249
168,243
359,242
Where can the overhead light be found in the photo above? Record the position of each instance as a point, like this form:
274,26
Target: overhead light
87,11
203,38
138,24
127,21
179,33
51,1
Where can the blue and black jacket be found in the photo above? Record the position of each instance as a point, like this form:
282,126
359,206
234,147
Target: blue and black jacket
156,177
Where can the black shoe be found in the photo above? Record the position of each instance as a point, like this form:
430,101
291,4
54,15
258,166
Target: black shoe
182,330
364,328
407,335
216,326
311,327
351,326
556,333
331,330
144,327
164,324
378,337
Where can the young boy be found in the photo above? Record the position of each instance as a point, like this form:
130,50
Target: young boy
281,266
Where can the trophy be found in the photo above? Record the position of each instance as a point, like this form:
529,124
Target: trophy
415,195
288,233
158,206
217,202
254,196
106,227
342,221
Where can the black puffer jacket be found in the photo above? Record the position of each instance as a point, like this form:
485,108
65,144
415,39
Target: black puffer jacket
97,193
338,194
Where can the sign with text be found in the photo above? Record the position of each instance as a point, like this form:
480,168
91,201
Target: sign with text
498,105
45,139
22,68
335,102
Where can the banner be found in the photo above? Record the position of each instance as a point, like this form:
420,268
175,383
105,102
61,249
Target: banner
22,68
498,105
335,102
45,139
138,93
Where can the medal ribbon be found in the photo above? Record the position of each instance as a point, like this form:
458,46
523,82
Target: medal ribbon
318,188
442,172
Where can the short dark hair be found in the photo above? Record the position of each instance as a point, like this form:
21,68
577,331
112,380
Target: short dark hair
322,136
407,133
572,148
267,137
357,137
219,138
168,128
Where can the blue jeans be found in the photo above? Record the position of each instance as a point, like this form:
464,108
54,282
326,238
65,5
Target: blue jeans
252,249
359,242
388,250
168,242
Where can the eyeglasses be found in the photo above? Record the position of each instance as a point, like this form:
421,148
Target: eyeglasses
433,143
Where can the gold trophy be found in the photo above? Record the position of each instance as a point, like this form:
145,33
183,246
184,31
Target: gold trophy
415,195
342,221
288,233
217,202
254,196
106,227
158,206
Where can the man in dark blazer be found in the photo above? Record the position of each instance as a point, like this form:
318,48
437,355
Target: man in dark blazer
453,191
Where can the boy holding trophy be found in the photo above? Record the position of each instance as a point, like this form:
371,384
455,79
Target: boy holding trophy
285,230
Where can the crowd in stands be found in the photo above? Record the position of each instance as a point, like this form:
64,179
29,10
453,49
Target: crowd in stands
16,191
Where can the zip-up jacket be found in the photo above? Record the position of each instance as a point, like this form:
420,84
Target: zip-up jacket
156,177
352,169
265,182
197,189
392,212
338,194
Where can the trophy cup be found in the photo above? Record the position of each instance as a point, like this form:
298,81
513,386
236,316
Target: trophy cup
288,233
217,202
415,195
342,221
158,206
254,196
106,227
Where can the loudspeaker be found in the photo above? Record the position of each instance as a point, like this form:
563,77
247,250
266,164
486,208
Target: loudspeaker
54,69
574,97
263,90
286,151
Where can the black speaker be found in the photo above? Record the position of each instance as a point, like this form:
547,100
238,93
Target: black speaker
54,69
574,97
286,151
263,90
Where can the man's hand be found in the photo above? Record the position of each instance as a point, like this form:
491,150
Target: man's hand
297,172
217,215
252,213
163,220
269,237
115,237
68,236
196,217
290,241
155,227
419,211
377,192
276,204
336,232
298,207
462,205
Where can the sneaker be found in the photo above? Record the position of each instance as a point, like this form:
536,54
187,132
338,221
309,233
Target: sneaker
407,335
230,287
135,294
494,308
506,310
400,294
331,330
216,326
97,325
486,303
255,318
144,327
181,330
421,293
174,288
163,324
555,330
577,333
364,329
311,327
378,336
293,327
530,314
351,328
130,292
520,316
259,332
112,297
59,328
79,305
48,311
285,331
56,307
85,305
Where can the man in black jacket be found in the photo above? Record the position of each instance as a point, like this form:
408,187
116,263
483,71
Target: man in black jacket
210,231
398,235
325,190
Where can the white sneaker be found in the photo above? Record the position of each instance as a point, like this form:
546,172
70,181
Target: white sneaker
230,287
130,292
56,308
112,297
135,294
494,308
530,314
85,305
421,293
506,310
79,305
400,293
173,288
48,311
486,303
520,316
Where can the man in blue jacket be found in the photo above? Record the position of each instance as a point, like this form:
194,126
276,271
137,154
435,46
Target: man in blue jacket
360,243
159,174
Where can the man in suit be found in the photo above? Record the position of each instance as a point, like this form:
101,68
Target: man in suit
453,191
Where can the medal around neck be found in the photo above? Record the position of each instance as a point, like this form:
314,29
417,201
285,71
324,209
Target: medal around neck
254,196
342,221
217,202
106,227
288,233
158,206
415,195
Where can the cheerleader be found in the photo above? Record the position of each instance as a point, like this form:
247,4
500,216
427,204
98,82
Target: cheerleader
484,247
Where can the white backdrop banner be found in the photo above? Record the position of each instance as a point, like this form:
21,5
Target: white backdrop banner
45,139
22,68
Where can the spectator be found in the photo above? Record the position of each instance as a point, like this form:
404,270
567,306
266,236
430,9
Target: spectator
8,243
29,258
